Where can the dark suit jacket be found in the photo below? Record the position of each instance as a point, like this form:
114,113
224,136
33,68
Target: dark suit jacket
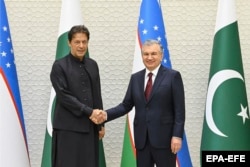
163,116
74,99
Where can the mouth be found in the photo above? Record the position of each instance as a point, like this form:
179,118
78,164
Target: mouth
150,62
81,51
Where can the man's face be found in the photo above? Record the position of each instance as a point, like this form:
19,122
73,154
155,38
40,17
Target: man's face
151,56
79,45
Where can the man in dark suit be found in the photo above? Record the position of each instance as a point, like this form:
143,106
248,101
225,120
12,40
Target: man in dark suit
76,81
159,114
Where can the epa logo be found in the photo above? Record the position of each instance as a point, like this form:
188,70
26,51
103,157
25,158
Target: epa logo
225,159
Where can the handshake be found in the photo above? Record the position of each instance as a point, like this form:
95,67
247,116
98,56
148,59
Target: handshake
98,116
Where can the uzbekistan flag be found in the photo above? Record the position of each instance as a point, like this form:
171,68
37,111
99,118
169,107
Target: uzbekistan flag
150,26
13,141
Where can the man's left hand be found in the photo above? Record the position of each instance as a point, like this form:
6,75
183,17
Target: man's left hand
101,132
176,143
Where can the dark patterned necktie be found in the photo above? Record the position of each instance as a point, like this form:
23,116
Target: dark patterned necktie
148,86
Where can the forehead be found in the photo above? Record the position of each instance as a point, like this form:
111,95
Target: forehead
79,35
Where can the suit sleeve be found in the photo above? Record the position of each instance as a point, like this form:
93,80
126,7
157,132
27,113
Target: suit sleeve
179,105
124,107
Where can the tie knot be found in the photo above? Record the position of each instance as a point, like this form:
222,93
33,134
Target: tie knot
150,74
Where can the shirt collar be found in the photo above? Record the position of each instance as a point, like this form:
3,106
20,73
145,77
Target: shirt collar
76,59
155,71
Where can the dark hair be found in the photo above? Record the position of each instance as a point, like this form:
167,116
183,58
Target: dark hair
78,29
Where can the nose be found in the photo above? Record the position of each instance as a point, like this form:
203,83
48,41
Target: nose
150,56
81,44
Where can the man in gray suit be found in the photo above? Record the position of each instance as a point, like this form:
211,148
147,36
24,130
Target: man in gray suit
159,113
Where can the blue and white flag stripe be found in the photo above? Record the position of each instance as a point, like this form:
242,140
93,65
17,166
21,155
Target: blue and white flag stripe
151,26
13,141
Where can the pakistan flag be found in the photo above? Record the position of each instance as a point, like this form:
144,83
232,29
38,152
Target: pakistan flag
226,121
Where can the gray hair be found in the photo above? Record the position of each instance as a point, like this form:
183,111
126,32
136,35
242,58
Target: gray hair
150,42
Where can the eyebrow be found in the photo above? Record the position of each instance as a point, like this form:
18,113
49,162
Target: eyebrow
154,52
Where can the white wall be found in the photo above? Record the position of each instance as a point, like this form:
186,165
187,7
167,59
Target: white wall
113,23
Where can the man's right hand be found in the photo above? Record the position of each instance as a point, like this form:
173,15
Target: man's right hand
98,116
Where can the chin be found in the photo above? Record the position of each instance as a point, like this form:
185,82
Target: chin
80,55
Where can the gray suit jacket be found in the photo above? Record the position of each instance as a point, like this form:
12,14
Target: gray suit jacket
162,116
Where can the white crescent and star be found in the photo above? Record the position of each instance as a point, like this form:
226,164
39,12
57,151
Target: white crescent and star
243,113
216,80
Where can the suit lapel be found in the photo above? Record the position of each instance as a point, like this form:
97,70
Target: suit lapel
141,84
